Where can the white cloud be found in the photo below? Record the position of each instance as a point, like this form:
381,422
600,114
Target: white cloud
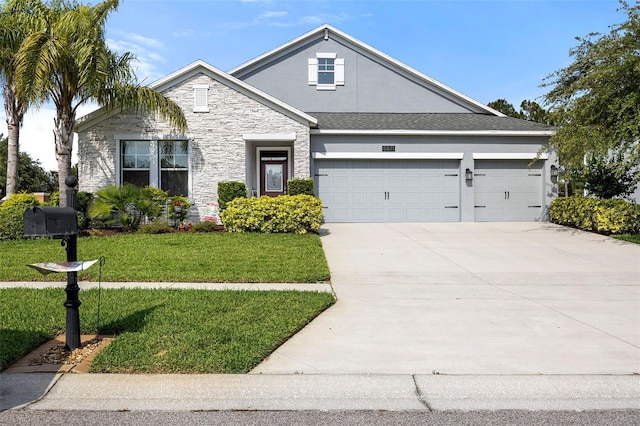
268,15
146,50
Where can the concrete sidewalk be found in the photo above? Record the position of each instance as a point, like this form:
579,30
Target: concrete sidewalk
116,392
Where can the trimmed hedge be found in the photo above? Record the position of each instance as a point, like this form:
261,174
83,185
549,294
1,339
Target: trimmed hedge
285,214
300,186
229,191
12,213
613,216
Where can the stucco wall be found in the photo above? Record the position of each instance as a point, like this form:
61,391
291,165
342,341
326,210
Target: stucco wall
369,85
217,148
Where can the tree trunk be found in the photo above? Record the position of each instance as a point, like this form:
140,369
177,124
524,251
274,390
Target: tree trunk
63,135
14,113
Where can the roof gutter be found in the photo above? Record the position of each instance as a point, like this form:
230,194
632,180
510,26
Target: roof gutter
392,132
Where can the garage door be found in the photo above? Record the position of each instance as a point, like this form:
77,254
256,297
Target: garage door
508,190
389,190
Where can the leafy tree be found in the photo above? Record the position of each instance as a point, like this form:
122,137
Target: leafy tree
503,106
66,60
609,178
31,176
595,100
529,110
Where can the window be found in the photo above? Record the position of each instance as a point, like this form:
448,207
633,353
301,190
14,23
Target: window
200,98
174,167
326,71
135,162
162,164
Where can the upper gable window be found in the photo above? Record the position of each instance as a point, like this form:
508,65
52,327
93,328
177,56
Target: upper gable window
200,98
326,71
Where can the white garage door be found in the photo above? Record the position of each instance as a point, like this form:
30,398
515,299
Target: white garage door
508,190
389,190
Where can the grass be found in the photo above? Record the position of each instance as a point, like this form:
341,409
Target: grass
632,238
163,331
178,257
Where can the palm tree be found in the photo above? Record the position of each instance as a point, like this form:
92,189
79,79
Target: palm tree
66,60
14,21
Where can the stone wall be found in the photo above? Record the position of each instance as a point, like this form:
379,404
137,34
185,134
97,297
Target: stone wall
218,151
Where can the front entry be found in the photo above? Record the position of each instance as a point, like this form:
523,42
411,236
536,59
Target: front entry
273,173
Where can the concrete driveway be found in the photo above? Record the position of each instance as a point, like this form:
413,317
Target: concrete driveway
472,298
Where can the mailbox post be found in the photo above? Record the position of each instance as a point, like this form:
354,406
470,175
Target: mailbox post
72,332
61,222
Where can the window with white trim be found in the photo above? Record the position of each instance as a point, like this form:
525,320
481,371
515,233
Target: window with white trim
162,164
326,71
201,98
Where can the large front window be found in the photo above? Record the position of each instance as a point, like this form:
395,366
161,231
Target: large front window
162,164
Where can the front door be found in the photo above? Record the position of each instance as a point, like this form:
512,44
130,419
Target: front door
273,173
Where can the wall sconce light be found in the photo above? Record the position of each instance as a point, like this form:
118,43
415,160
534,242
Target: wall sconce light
554,171
468,174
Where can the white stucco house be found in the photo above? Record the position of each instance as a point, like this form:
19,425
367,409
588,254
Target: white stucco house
383,141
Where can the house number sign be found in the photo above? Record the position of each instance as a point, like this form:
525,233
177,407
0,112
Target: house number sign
388,148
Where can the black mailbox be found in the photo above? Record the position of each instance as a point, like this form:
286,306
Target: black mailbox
56,222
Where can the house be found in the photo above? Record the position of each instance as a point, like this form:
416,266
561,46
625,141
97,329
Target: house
382,141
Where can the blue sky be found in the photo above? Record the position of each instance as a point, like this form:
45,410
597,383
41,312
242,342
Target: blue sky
486,49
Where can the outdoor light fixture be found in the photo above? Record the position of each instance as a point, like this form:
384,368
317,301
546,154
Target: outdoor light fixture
554,171
468,174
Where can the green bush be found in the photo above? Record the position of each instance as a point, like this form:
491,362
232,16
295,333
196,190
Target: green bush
206,226
158,226
286,214
228,191
124,206
300,186
11,215
159,198
613,216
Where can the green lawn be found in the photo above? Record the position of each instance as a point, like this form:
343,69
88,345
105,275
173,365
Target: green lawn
179,257
632,238
163,331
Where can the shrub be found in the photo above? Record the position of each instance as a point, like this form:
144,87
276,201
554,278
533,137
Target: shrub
12,213
123,205
159,198
228,191
206,226
288,213
300,186
614,216
158,226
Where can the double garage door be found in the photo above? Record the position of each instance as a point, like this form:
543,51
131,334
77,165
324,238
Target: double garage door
427,190
389,190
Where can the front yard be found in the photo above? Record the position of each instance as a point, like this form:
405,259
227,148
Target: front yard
178,257
162,331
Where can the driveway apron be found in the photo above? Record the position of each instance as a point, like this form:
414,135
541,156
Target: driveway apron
472,298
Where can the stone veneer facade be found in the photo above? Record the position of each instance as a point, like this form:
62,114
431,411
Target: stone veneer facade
218,151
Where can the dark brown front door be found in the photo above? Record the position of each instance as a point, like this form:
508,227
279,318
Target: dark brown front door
273,175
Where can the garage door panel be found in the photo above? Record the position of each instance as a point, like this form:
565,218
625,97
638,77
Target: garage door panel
507,190
397,190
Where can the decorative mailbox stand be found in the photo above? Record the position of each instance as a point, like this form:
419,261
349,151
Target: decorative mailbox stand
62,223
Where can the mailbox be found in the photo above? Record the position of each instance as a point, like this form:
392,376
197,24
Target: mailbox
56,222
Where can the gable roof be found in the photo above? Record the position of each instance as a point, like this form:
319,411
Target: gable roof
196,68
327,30
426,123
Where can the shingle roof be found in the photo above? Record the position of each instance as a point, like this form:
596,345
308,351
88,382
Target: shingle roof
423,121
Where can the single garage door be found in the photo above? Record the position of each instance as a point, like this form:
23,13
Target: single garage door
508,190
389,190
